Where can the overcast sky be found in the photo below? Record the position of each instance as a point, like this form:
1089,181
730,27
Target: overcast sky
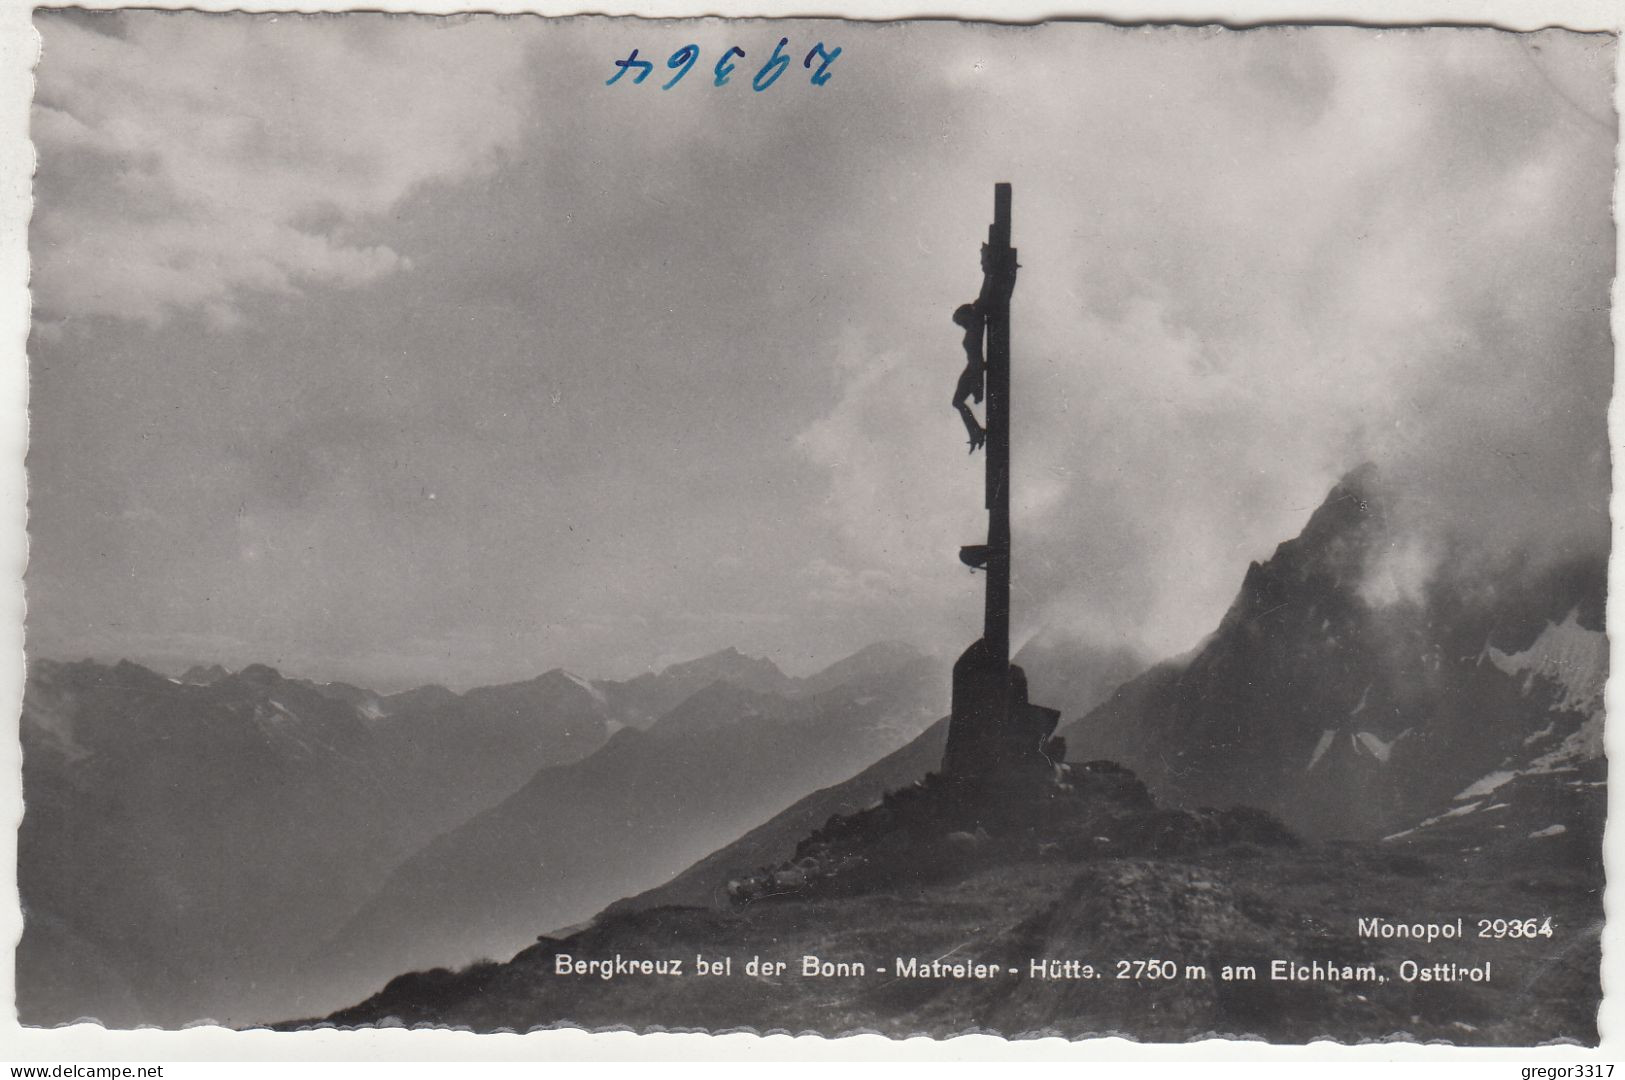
404,350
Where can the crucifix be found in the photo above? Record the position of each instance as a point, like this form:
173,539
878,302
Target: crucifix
994,733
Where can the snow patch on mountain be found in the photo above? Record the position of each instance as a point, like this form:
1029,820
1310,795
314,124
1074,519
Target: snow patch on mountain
1576,660
587,685
1551,725
1321,747
1375,746
1568,654
1457,811
1584,744
1486,785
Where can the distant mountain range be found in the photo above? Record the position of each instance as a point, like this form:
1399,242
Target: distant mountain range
189,842
645,806
173,833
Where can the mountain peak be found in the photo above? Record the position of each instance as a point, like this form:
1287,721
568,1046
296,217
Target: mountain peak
1331,554
200,675
1355,506
260,675
1350,717
881,658
131,668
560,680
889,650
751,672
1363,477
722,656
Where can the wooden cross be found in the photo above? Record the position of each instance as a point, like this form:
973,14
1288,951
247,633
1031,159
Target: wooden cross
995,735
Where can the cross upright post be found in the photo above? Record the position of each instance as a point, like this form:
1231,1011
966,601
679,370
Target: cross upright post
999,268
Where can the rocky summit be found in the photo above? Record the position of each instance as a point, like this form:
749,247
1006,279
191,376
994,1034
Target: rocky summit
1081,908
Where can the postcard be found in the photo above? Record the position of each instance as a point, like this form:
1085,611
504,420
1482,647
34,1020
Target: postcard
817,526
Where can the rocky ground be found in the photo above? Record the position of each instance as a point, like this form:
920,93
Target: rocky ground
1142,909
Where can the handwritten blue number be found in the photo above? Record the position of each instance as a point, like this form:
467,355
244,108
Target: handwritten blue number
643,66
683,58
821,76
776,64
723,68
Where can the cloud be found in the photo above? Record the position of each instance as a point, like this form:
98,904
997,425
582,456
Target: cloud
677,366
190,159
1400,571
1387,247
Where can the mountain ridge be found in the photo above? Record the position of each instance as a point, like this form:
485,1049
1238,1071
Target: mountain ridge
304,795
658,799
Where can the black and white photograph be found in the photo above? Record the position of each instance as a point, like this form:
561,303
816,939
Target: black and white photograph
907,527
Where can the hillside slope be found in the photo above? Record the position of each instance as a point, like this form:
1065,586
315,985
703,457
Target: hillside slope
643,808
1065,671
